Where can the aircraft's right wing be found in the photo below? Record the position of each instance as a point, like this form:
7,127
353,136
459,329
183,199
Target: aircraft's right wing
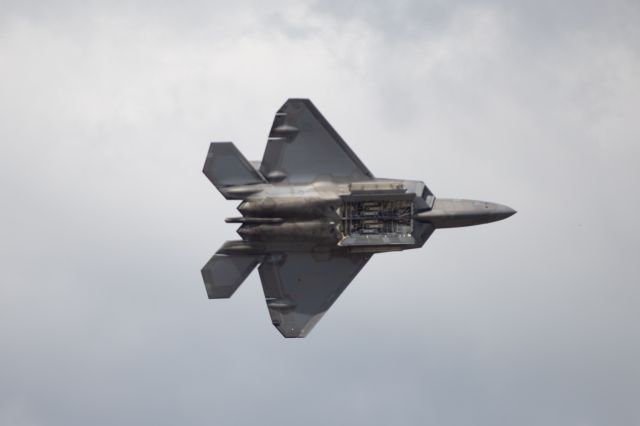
303,146
300,287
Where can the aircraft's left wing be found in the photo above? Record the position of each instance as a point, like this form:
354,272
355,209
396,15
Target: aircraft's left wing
300,287
303,147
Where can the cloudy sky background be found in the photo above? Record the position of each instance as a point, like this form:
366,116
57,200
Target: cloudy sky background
106,112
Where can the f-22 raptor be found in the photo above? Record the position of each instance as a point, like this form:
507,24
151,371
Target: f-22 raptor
313,215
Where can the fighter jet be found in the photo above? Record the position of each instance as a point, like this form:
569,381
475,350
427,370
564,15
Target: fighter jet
313,215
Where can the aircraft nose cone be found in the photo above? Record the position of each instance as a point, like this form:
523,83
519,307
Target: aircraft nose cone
452,213
486,212
503,212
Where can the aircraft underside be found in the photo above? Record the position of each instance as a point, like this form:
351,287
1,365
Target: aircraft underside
313,215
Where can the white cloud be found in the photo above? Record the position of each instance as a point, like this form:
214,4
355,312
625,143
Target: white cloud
107,112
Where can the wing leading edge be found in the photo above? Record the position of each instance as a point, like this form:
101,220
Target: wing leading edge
303,147
300,287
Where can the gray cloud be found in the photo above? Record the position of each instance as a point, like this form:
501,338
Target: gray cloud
107,111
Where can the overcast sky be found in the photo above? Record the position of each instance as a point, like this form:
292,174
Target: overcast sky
106,113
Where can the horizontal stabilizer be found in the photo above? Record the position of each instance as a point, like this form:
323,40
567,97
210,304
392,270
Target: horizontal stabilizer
223,274
226,167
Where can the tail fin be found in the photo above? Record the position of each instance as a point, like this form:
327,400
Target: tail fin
223,273
226,167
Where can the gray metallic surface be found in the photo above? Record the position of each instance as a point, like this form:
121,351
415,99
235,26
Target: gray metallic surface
223,274
226,167
300,287
303,146
451,213
313,215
